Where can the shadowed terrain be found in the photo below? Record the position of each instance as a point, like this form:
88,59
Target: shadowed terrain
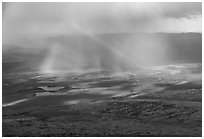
163,100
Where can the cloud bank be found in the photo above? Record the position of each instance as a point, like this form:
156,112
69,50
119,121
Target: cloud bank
22,20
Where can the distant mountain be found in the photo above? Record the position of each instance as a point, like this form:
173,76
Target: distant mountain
112,51
18,58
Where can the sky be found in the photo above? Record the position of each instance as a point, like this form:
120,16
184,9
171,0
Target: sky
24,20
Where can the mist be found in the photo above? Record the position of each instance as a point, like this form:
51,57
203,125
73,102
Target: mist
106,69
98,36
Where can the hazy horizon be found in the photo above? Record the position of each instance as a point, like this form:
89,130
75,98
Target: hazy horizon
116,36
22,20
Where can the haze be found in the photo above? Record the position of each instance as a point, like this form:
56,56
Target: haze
32,25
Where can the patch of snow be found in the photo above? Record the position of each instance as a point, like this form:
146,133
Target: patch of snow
50,94
14,103
183,82
46,88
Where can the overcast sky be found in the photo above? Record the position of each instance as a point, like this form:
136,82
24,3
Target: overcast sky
22,20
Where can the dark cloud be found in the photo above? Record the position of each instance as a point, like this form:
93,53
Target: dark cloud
24,19
183,9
